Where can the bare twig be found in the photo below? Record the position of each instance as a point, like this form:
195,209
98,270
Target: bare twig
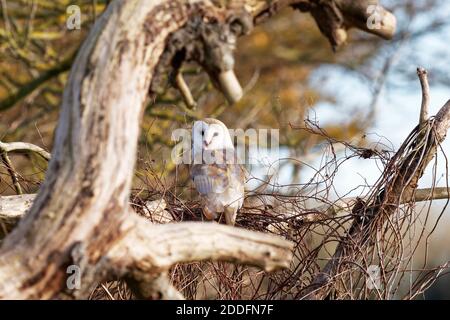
11,171
23,147
18,147
424,108
185,91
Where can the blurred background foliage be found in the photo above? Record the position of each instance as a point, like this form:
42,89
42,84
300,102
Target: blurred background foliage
276,64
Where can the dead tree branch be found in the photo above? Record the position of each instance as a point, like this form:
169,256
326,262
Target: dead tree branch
327,211
23,147
155,248
425,106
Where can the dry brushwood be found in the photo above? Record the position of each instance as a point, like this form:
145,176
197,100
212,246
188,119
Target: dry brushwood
13,208
397,185
18,147
81,214
369,214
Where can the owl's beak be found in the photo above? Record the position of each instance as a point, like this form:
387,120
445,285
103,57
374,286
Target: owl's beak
206,144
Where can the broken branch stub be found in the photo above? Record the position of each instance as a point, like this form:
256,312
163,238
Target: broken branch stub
209,40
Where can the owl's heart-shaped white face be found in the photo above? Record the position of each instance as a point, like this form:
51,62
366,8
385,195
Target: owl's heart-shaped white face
210,136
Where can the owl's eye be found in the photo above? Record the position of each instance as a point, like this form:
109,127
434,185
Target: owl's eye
215,134
203,132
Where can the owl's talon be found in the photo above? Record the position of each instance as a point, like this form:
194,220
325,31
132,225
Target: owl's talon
209,215
230,216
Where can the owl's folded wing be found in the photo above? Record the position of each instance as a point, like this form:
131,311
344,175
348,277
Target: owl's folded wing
216,178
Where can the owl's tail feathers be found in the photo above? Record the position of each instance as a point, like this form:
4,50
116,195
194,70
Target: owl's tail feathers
209,214
230,215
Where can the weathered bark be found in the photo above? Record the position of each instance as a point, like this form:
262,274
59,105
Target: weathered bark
12,209
81,216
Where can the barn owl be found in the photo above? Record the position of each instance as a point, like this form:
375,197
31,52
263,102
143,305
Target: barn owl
215,171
